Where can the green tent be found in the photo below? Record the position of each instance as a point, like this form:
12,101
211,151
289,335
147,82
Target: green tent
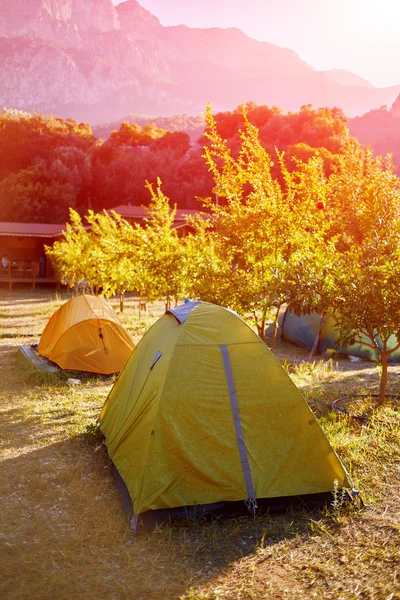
320,332
203,418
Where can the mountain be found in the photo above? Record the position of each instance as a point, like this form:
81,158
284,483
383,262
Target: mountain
380,130
98,62
345,78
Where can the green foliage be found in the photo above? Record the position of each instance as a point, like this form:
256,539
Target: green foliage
25,137
304,239
175,144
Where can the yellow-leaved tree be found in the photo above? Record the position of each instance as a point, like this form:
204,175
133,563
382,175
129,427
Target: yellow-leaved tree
114,257
161,252
71,255
103,253
263,244
363,285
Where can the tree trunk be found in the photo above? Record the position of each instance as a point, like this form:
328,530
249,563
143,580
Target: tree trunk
142,305
121,302
261,328
275,328
383,380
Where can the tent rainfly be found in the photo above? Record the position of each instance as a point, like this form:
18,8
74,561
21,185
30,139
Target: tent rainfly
204,419
86,335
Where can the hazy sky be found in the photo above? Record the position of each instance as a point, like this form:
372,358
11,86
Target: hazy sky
362,36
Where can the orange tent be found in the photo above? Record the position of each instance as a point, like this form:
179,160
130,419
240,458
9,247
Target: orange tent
86,335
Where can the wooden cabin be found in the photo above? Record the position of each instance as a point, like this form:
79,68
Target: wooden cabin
23,245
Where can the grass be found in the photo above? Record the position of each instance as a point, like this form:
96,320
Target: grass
63,533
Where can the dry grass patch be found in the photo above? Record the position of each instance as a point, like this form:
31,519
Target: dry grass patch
64,534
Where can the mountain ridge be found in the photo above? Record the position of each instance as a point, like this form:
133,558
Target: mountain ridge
98,62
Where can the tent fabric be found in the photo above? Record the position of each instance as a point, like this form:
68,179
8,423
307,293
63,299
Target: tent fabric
303,331
152,518
85,335
169,424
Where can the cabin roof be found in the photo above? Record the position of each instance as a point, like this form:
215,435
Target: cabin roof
48,230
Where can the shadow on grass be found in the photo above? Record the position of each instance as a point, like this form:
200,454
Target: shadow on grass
61,512
42,406
63,524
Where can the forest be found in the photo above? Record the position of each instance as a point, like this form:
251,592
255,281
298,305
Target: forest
48,164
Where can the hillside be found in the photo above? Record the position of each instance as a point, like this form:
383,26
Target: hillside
380,129
193,126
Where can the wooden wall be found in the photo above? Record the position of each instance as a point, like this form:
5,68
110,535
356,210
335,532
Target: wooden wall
24,248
